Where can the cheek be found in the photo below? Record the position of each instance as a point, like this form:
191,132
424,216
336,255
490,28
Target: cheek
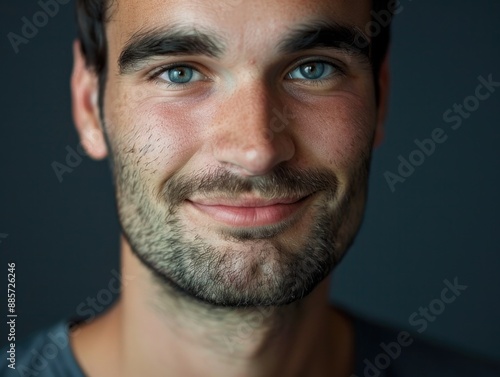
154,138
337,131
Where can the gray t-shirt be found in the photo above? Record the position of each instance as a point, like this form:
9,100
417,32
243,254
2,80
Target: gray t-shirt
380,352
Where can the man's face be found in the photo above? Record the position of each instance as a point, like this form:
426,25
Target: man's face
240,135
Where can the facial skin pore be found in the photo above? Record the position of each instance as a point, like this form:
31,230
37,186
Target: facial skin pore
263,117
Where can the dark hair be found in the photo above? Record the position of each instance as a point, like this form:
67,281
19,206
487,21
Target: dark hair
92,16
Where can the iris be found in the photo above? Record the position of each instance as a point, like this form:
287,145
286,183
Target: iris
180,75
312,71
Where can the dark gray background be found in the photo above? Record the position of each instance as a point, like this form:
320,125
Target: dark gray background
441,223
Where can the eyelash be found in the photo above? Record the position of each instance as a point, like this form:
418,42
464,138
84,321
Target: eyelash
155,75
336,66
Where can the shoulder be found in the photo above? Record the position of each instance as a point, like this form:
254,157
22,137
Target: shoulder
46,353
387,351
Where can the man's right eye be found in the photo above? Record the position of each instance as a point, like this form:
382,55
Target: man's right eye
179,74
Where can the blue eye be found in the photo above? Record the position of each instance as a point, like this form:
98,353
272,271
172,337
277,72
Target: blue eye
181,74
312,71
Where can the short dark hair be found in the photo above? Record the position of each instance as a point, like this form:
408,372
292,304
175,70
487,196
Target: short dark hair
92,16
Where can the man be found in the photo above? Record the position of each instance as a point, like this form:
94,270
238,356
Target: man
239,135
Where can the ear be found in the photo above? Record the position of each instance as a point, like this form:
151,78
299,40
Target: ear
84,92
383,102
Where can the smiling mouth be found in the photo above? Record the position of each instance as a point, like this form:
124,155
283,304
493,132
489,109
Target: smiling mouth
250,211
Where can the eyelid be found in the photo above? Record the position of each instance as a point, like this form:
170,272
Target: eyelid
154,75
317,59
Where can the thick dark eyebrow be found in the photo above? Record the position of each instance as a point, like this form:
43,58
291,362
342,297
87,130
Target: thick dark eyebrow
175,40
185,40
323,34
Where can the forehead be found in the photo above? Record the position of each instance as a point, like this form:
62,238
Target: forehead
242,22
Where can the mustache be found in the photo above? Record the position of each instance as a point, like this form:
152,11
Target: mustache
280,182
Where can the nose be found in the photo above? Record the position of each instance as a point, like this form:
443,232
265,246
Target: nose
252,132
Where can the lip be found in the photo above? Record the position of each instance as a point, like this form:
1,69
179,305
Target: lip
249,211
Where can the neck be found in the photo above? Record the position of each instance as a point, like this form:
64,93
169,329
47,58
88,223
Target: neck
163,332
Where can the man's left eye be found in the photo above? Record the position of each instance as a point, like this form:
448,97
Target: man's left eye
181,75
313,71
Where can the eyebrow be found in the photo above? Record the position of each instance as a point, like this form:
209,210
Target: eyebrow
188,40
176,40
327,34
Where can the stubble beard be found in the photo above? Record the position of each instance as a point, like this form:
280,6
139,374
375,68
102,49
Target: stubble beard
267,272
